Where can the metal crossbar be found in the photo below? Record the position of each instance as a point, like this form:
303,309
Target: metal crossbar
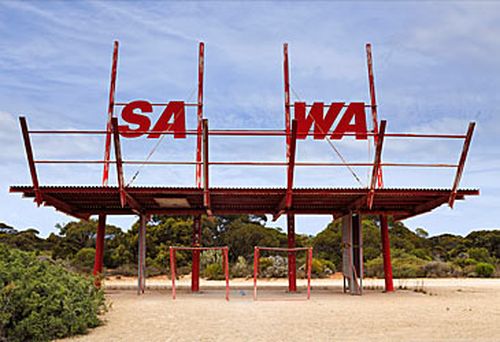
225,263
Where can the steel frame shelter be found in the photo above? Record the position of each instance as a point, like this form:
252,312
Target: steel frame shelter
202,199
225,263
292,268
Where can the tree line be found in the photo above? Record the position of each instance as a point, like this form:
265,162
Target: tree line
414,253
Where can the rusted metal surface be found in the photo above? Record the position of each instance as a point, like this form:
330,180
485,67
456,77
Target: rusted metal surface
119,165
199,138
400,202
286,78
292,257
31,163
291,165
461,164
376,163
206,171
111,103
373,106
99,247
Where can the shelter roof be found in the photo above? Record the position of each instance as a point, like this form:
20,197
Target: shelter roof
84,201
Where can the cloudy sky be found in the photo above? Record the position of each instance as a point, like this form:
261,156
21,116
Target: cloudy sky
437,67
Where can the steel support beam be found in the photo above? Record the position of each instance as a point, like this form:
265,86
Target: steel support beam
292,264
195,265
461,164
291,165
373,105
199,138
286,75
63,207
357,248
141,258
119,162
386,253
376,164
31,160
111,105
206,189
287,202
99,249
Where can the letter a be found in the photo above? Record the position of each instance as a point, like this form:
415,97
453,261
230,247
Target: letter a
355,110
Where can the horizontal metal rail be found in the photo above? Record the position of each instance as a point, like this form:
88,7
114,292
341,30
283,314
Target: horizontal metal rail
251,133
283,249
121,104
185,248
240,163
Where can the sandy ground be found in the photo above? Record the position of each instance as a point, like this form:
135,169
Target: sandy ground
448,310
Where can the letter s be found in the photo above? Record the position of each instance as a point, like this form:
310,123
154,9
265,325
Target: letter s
142,121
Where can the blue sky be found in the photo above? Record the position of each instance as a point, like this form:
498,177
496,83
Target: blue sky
436,69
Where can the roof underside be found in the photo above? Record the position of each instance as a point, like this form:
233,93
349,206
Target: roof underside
82,201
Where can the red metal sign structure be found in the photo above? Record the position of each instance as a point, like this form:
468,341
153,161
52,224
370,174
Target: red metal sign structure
318,120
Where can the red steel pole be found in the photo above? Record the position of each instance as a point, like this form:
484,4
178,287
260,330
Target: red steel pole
255,271
292,265
172,270
195,266
386,253
201,62
226,270
99,248
309,269
287,100
111,104
373,102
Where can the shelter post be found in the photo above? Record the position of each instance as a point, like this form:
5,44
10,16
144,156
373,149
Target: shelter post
357,248
195,266
386,253
141,279
292,267
99,248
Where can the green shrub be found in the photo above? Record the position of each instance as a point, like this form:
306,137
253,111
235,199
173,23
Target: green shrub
214,272
484,270
480,254
41,301
241,269
322,267
403,266
440,269
274,266
83,261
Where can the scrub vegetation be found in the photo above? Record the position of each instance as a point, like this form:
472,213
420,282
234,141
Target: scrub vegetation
41,300
414,253
47,292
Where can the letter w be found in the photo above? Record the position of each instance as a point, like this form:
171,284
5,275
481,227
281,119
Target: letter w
322,124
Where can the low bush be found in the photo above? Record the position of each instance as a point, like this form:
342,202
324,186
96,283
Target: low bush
404,266
273,267
241,268
41,301
484,270
83,261
214,272
322,268
440,269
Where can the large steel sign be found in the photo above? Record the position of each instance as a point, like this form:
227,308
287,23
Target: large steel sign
347,118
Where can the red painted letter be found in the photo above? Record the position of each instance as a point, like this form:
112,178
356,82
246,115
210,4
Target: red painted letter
175,109
355,110
322,124
130,116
